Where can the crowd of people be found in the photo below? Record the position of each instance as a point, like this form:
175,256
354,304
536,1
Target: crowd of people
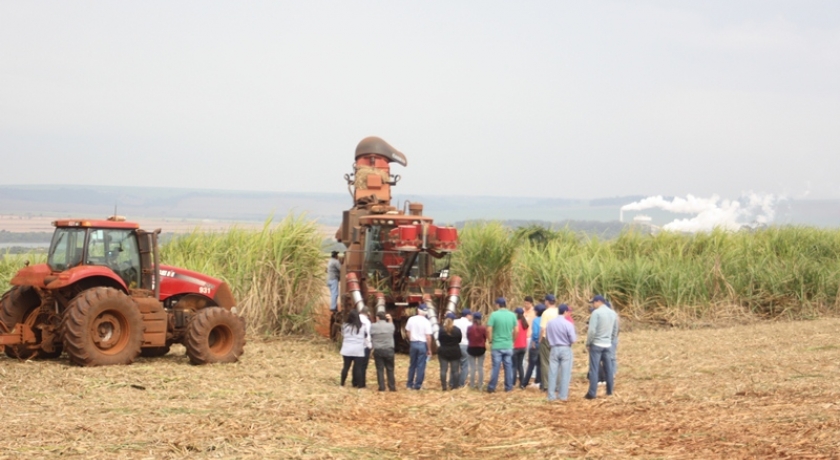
529,341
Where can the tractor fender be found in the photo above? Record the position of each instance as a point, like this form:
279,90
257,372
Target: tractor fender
179,282
85,272
31,276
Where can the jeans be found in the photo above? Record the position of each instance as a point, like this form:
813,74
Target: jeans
599,356
356,363
416,365
454,368
602,375
561,358
364,361
384,361
476,364
464,365
545,353
501,357
518,366
533,364
333,285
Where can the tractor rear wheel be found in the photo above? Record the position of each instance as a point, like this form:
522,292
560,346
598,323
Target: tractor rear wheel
154,352
214,335
36,320
102,326
20,305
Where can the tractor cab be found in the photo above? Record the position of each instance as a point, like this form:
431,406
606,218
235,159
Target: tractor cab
117,245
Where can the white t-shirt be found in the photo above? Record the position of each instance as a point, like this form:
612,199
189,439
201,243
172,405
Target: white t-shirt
463,324
418,327
366,327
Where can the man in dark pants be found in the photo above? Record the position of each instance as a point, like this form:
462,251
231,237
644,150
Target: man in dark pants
382,337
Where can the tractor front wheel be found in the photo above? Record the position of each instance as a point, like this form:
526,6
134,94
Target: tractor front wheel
102,326
214,335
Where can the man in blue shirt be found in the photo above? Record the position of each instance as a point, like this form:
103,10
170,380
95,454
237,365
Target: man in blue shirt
560,335
534,350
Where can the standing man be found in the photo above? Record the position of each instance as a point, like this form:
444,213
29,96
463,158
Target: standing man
333,275
603,330
382,337
549,314
534,348
501,332
420,346
561,335
463,323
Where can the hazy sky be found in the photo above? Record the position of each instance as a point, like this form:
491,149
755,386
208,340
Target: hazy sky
550,99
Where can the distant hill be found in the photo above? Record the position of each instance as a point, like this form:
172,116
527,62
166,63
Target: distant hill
174,203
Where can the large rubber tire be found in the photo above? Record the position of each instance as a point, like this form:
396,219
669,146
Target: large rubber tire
102,326
14,305
154,352
214,335
32,319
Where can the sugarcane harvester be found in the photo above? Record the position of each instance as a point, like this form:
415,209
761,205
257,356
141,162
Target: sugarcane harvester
396,259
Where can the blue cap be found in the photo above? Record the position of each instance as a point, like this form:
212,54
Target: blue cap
450,315
550,298
563,308
598,298
422,307
540,308
477,315
501,302
519,311
465,312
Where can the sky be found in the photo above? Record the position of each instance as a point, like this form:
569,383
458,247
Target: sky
549,99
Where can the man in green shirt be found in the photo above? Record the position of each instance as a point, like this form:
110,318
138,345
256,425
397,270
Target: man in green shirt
501,332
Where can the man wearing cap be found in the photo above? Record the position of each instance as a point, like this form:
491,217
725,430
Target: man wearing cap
333,275
501,332
560,335
463,323
548,315
420,346
603,330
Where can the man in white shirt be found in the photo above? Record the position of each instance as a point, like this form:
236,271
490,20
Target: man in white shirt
548,315
420,346
463,323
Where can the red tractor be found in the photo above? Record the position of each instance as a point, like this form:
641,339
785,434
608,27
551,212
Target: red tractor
395,258
103,298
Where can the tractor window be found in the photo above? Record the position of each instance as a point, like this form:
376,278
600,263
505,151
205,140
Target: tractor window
67,248
117,250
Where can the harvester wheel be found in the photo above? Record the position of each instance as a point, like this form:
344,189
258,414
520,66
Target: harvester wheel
154,352
102,326
214,335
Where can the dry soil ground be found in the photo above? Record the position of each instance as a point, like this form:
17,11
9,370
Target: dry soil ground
760,391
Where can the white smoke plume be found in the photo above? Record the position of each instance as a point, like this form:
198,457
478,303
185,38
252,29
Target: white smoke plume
750,210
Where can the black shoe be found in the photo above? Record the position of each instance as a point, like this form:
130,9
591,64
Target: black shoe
589,396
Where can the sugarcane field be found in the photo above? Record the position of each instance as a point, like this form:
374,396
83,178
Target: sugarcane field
419,230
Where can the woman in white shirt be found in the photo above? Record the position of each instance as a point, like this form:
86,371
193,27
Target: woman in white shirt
353,348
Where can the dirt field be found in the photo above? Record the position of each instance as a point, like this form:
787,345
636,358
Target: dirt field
760,391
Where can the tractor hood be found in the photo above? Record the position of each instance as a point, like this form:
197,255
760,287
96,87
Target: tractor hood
178,281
